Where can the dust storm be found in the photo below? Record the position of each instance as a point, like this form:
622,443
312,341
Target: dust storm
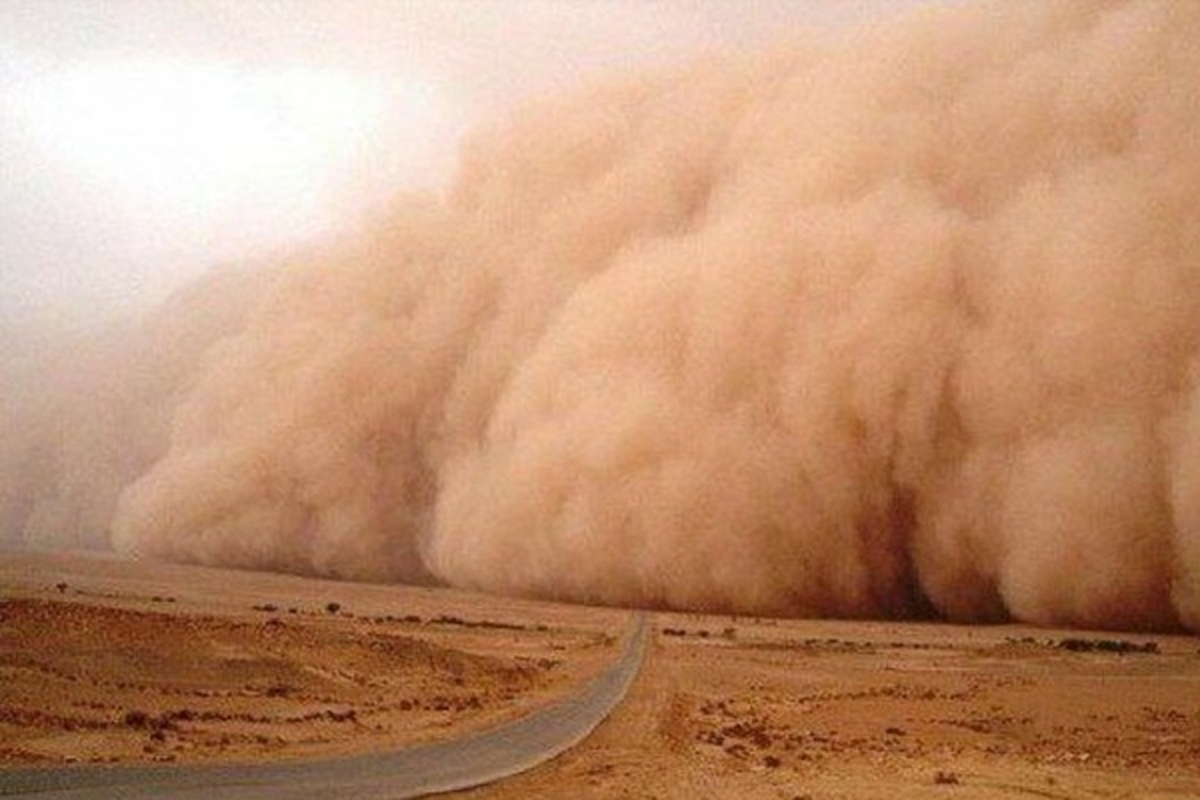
903,322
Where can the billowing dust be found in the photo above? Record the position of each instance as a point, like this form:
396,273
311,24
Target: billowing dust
900,324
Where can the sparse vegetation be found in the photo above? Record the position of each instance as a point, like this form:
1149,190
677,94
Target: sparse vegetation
945,778
701,633
1119,646
1081,645
136,719
446,619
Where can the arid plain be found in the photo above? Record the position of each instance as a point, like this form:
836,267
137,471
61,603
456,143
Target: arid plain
103,660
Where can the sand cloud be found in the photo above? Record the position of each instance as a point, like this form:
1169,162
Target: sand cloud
902,323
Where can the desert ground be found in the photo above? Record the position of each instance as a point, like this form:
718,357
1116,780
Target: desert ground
103,660
110,661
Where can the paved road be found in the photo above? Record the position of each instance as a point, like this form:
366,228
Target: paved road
445,766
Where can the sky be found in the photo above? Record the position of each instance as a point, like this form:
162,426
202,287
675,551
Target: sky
143,142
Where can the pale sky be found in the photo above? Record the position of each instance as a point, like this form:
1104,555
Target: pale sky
143,140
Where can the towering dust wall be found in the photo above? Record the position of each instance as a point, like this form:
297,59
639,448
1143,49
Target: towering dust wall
901,324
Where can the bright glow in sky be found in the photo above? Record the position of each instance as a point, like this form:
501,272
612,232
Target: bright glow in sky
192,139
159,162
140,143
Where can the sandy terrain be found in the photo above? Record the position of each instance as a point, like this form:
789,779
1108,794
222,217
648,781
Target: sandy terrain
794,709
104,660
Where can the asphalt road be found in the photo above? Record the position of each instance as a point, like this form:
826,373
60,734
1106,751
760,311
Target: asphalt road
470,761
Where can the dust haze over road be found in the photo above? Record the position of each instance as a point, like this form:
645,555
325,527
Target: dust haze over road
895,323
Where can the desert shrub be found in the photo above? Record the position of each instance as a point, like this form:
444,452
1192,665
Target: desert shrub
1118,646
